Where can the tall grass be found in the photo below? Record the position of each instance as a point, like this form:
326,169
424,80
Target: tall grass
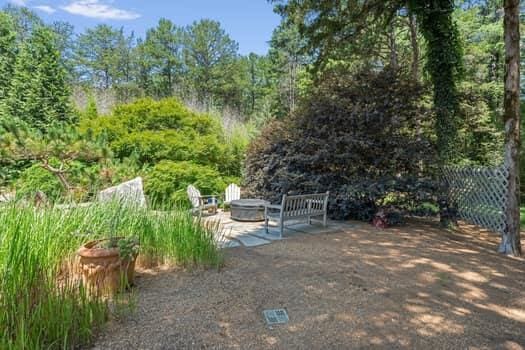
42,302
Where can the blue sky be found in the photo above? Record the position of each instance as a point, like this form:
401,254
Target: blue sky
249,22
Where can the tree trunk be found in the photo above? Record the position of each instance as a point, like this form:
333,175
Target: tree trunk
252,73
414,73
391,35
510,240
414,70
60,176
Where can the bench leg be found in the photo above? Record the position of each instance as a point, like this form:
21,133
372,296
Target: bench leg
281,228
266,224
324,220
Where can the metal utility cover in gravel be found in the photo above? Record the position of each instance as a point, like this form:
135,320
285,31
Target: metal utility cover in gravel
275,316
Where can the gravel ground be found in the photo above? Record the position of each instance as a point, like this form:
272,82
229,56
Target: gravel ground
413,287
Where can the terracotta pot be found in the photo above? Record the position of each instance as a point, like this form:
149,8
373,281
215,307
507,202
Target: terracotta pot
103,270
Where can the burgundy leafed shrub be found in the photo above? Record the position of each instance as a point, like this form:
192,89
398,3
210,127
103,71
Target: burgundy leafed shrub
362,137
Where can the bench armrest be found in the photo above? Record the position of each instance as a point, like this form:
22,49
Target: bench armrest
273,206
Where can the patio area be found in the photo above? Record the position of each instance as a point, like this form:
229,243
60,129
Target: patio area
351,286
251,234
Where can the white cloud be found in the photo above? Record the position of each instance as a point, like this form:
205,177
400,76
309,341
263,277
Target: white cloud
98,9
45,8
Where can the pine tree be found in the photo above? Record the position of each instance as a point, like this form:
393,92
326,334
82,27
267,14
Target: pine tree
38,93
163,49
211,58
7,53
99,56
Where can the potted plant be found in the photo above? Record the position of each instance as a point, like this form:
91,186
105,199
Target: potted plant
108,265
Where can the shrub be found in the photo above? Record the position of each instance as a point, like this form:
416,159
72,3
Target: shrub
172,146
34,179
153,131
167,181
363,137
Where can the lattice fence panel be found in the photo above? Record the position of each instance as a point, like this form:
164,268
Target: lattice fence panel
479,194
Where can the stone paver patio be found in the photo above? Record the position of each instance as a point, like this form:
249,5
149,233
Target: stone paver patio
251,234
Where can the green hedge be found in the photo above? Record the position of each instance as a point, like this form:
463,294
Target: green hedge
167,181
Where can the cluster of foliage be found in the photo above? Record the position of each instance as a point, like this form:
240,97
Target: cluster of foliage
365,137
35,110
34,89
56,152
43,304
445,66
170,145
461,44
327,26
163,141
49,146
199,62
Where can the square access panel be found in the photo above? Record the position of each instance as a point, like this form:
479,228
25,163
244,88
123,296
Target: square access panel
275,316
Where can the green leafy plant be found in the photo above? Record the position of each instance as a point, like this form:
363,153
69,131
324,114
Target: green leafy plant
128,247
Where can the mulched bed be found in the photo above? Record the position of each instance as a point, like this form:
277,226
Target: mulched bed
415,286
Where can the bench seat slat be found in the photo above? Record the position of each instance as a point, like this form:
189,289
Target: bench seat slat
298,207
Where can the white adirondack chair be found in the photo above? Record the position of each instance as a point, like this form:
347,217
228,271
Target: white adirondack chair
232,193
201,203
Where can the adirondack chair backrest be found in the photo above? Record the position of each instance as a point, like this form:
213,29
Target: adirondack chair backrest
233,192
194,196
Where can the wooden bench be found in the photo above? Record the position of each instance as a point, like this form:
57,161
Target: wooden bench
295,208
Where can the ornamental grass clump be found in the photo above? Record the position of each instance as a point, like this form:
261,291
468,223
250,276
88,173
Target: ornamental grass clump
43,302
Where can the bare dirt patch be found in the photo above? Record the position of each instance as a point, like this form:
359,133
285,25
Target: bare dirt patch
411,287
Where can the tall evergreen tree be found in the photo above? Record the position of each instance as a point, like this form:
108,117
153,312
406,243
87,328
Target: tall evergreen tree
212,60
38,93
143,68
25,21
258,85
163,49
97,55
7,54
65,43
126,80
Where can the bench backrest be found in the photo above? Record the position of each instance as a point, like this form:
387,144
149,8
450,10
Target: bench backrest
304,205
194,196
232,193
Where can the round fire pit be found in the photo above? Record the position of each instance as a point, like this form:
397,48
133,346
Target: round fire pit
248,209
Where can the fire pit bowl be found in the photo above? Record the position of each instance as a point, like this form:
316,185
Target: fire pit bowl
248,209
